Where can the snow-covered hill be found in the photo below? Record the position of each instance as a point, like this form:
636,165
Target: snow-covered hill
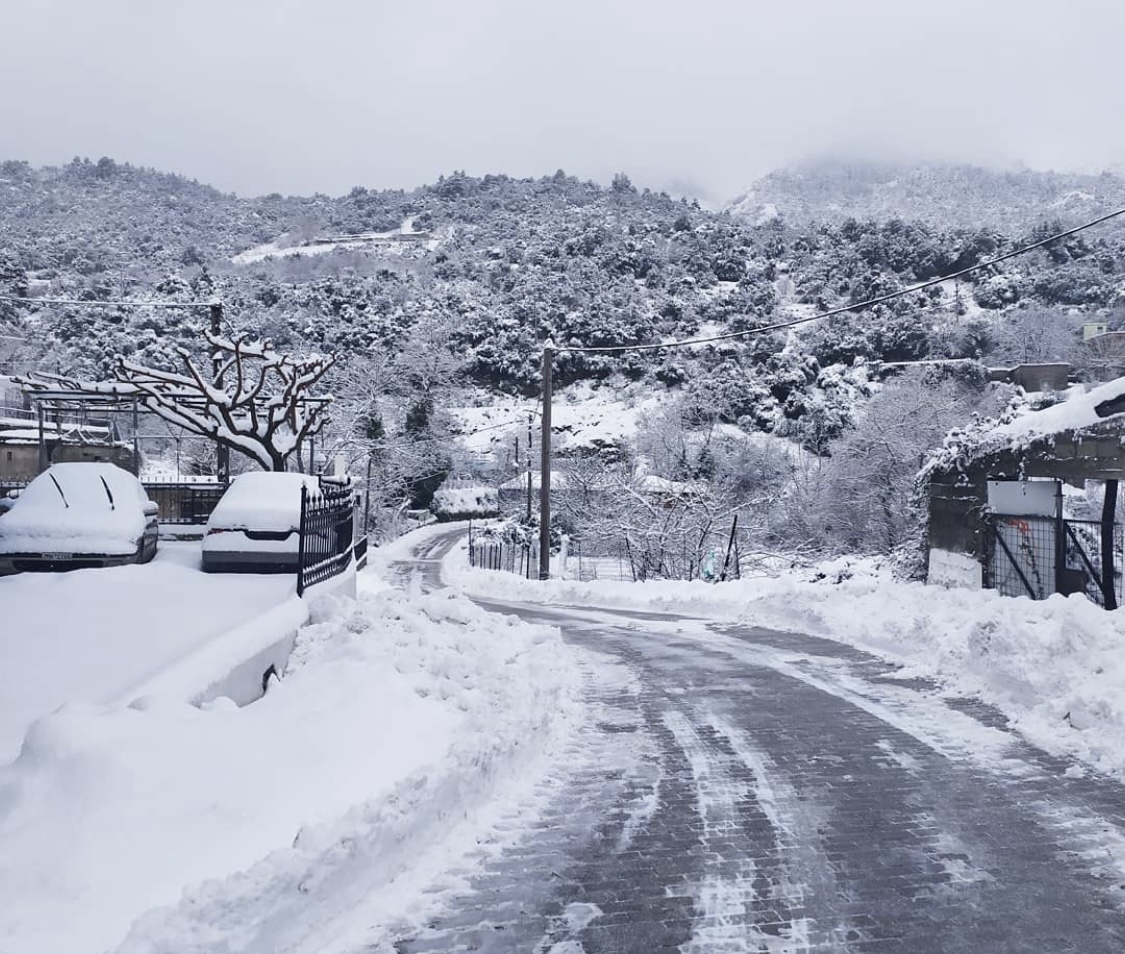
945,196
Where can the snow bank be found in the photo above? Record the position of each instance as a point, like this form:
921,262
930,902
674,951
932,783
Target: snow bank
1054,667
101,635
231,826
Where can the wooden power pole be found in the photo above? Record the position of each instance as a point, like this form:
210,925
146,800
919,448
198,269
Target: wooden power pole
222,452
545,470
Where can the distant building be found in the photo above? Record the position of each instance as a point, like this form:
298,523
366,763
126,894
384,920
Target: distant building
1052,376
65,437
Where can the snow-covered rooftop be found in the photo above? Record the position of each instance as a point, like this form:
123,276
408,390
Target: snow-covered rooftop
1076,413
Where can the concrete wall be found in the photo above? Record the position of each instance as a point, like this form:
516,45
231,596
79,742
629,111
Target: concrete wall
21,461
233,665
960,570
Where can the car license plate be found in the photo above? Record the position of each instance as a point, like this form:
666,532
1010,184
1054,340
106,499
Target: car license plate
58,556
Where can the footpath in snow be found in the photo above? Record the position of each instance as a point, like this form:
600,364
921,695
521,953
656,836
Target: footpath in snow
404,722
1055,667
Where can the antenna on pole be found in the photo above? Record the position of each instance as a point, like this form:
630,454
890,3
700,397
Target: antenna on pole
545,468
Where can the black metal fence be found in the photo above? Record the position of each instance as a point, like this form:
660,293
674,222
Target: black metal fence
511,557
327,532
184,502
6,486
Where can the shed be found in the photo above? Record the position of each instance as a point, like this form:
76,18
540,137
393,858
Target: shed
977,541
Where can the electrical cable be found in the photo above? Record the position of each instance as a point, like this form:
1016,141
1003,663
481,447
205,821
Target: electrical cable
22,299
859,306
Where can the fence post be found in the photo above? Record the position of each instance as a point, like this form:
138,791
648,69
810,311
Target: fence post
1060,539
301,541
1109,579
730,544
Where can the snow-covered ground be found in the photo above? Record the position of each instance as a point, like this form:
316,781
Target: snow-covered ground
408,723
580,417
91,636
403,240
163,827
1055,667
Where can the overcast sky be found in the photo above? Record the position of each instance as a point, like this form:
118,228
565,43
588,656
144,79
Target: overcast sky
297,96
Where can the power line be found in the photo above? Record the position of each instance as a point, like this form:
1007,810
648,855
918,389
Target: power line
859,306
99,303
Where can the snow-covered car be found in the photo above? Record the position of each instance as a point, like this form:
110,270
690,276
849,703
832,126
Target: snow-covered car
256,525
79,514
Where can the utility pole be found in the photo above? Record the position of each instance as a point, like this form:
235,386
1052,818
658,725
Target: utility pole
222,452
545,470
530,418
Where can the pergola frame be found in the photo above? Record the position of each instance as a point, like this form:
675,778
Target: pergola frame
67,400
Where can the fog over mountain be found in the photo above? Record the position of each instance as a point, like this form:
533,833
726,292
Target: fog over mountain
942,195
296,97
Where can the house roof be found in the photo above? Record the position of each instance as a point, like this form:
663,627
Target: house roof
1081,437
1076,413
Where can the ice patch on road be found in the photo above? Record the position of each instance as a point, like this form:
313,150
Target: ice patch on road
725,895
903,760
955,859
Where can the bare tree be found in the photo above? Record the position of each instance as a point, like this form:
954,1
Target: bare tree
670,511
861,497
1037,334
258,402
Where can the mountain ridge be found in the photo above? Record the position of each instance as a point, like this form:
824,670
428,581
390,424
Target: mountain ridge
944,195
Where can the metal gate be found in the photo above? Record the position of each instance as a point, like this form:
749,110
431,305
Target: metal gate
1038,556
1082,569
327,529
1023,556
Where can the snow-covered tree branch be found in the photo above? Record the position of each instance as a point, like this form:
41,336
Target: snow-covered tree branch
260,403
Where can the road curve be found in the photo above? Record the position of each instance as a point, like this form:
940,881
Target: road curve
744,790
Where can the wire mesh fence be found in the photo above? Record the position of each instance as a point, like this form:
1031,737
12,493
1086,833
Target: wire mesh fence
1082,547
1038,556
1022,556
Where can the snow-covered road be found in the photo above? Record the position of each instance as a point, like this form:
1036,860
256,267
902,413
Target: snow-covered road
93,635
437,776
741,789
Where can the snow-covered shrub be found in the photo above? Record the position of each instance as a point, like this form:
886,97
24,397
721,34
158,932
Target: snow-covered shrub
465,503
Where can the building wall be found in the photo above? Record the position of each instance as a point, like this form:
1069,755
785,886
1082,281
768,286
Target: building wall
21,461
